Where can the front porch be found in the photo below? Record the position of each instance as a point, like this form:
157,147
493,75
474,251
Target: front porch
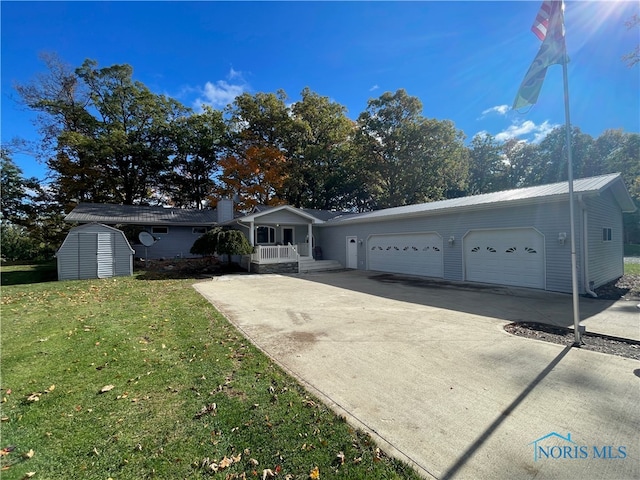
288,259
283,241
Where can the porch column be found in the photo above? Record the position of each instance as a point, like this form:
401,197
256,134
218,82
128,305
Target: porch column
251,234
310,234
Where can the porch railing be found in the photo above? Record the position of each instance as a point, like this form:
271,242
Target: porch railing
275,254
303,249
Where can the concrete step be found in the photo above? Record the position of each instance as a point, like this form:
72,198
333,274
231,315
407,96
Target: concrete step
310,265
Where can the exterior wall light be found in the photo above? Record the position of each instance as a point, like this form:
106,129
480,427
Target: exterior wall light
562,237
452,240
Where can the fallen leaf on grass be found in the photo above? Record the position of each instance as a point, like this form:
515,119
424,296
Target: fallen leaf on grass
314,474
29,454
34,397
28,475
7,450
267,473
107,388
340,457
211,408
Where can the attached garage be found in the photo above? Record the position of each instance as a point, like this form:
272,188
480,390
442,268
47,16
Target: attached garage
94,251
511,256
409,253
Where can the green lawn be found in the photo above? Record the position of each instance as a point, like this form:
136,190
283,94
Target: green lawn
185,393
632,268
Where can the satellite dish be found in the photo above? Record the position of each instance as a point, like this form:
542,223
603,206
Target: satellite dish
146,239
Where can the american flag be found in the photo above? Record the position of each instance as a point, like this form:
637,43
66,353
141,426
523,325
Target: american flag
549,28
548,10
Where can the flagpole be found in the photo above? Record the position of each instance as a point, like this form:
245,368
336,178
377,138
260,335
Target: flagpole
574,268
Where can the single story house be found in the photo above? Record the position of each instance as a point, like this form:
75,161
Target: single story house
517,237
173,229
94,251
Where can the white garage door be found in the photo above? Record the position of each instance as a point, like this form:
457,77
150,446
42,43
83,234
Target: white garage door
505,256
410,253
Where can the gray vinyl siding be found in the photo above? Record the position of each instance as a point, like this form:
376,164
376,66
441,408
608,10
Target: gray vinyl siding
282,217
176,243
606,259
94,251
548,218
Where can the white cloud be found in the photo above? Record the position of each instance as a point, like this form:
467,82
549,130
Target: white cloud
528,129
375,87
221,93
499,109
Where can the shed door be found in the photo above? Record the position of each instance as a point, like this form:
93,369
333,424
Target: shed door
87,251
410,253
513,256
105,255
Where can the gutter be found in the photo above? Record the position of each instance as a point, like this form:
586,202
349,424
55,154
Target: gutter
585,249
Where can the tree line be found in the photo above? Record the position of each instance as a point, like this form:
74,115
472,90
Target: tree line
106,137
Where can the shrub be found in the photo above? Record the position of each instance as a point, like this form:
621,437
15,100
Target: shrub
206,244
221,241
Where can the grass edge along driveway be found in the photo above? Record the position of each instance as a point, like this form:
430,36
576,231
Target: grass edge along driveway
128,378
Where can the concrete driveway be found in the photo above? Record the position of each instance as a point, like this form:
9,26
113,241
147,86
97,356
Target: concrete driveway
430,373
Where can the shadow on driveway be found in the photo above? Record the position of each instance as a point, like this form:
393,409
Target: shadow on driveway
507,303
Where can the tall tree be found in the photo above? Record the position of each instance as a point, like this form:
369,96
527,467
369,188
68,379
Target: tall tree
261,131
200,141
415,159
487,165
552,156
319,161
107,137
521,159
254,178
16,191
132,140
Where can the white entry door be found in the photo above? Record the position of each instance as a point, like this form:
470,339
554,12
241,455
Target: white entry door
352,252
510,256
410,253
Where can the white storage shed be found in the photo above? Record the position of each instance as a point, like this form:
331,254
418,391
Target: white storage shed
94,251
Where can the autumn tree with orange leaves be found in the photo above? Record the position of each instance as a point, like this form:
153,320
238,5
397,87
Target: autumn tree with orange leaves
254,178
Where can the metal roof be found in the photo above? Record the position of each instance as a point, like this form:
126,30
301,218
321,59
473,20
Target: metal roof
139,215
323,215
541,193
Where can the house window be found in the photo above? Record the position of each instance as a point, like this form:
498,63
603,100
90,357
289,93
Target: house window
606,234
199,230
265,235
160,230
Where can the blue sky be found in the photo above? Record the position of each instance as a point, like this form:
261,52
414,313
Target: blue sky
464,60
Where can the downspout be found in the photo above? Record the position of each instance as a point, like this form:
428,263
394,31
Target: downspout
585,249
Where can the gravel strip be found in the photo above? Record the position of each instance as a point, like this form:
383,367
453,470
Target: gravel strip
564,336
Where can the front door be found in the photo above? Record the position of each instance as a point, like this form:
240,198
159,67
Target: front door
287,235
352,252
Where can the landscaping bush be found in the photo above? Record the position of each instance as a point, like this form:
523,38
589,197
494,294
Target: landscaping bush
221,241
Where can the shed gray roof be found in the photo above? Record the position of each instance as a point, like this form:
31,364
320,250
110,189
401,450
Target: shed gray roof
541,193
139,215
